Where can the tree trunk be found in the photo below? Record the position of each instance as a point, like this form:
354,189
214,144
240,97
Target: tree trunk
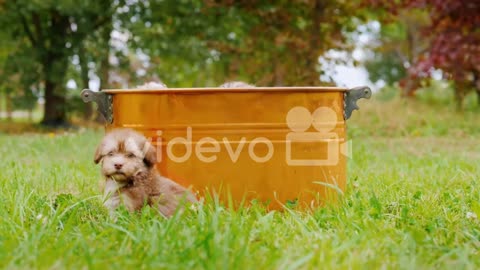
459,96
478,96
30,115
278,73
2,105
318,17
459,102
82,56
104,62
54,110
54,64
476,85
8,106
225,71
55,70
2,102
410,87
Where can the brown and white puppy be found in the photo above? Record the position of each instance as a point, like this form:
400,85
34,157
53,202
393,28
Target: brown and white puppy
236,84
128,165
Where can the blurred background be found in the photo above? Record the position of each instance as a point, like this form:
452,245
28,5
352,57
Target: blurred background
423,52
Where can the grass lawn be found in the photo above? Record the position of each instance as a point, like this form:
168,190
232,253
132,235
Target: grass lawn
413,201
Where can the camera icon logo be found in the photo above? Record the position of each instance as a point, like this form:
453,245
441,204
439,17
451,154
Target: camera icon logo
300,141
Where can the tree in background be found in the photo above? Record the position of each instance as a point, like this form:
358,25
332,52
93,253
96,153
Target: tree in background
263,42
399,48
282,41
184,43
50,31
21,79
454,42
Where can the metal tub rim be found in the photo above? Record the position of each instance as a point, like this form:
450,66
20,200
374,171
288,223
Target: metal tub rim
200,90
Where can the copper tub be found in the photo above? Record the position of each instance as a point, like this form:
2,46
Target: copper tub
274,145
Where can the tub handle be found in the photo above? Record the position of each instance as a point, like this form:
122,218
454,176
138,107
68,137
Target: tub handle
351,97
103,100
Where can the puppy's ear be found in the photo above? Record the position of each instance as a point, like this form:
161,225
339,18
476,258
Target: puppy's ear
98,154
150,154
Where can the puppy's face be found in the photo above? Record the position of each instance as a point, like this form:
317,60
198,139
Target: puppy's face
124,153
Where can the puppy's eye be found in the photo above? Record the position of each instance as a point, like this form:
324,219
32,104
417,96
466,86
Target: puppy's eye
110,153
130,155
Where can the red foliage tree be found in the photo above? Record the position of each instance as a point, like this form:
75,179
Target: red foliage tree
454,35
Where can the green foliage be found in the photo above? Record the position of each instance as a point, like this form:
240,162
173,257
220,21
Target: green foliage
400,46
386,67
47,33
387,93
436,93
184,43
20,78
266,43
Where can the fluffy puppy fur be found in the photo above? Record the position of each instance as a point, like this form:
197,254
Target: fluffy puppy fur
128,165
152,85
236,84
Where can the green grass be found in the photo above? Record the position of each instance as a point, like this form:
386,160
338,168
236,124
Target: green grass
413,186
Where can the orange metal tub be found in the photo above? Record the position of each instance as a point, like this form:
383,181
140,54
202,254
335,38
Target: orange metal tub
278,145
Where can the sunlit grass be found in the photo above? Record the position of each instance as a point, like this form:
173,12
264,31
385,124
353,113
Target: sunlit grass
411,202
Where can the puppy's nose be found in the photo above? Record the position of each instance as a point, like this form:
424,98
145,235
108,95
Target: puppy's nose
118,166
